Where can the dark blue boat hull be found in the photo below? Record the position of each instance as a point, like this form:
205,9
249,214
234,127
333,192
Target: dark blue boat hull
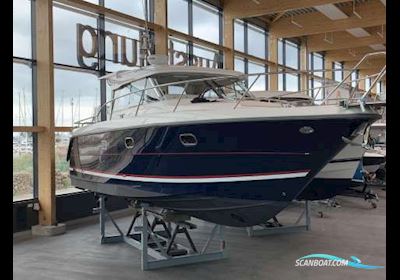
324,188
238,174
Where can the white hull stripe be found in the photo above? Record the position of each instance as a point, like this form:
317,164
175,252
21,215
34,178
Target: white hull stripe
188,179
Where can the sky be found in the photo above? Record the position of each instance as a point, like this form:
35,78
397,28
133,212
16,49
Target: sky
83,89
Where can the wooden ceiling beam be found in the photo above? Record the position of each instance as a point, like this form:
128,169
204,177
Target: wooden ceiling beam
340,40
281,14
245,9
374,64
372,13
354,54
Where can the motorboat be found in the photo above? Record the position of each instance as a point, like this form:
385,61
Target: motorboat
375,158
373,161
193,140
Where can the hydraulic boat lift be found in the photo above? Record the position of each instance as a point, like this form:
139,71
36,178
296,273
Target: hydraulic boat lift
275,227
155,234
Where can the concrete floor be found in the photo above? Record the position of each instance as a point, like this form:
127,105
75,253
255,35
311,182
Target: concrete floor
354,229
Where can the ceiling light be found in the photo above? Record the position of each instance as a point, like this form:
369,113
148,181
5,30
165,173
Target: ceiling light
358,32
331,11
378,47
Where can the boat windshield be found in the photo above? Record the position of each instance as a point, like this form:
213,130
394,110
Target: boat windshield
199,87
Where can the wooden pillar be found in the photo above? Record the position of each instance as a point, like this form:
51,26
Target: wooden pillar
347,72
45,112
273,57
383,88
229,55
328,69
161,33
361,83
304,64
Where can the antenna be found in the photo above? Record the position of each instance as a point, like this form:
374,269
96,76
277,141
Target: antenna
72,110
62,108
79,104
145,36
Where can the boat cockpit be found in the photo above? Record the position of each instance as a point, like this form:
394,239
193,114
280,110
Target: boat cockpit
198,87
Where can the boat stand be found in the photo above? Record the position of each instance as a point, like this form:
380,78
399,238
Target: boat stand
159,248
275,227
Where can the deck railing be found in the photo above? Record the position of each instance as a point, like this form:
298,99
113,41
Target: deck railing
246,92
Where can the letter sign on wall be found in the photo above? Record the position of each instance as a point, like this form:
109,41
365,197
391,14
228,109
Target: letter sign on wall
120,55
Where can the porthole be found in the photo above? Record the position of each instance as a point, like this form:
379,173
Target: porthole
306,130
188,139
129,142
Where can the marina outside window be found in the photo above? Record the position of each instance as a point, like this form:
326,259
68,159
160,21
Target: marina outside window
239,35
205,22
367,83
289,56
76,95
22,95
24,143
338,75
256,38
316,62
203,54
22,166
130,33
131,7
63,182
239,64
178,16
292,82
198,19
22,28
280,82
245,34
280,52
179,46
260,84
65,38
354,77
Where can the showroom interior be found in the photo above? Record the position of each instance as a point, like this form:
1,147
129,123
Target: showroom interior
323,49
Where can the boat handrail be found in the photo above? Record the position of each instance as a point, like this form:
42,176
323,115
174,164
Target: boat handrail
96,115
354,69
378,76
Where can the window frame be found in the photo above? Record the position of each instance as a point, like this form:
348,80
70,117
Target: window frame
245,46
284,78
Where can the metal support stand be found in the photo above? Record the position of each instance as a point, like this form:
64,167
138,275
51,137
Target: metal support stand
275,227
159,248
